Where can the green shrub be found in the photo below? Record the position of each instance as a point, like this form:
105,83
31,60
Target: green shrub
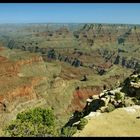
68,131
81,125
38,115
35,122
110,107
119,95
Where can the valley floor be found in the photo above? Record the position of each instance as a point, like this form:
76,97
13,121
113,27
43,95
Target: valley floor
120,122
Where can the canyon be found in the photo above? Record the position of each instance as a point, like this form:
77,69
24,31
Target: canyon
60,66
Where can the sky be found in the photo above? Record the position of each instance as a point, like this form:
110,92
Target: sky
128,13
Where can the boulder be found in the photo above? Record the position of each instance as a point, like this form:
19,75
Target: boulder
128,102
112,92
98,110
95,96
106,101
102,95
112,100
112,97
119,101
103,99
103,109
89,100
115,103
135,85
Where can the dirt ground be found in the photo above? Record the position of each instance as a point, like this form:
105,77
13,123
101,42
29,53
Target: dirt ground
120,122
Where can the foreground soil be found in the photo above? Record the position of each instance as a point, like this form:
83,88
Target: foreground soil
120,122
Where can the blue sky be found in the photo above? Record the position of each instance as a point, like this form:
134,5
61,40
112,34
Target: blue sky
70,13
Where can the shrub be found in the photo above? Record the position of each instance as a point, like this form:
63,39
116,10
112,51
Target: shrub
110,107
119,95
35,122
81,125
68,131
37,115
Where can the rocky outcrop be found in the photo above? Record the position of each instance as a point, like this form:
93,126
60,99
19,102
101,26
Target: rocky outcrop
126,95
123,96
132,86
107,101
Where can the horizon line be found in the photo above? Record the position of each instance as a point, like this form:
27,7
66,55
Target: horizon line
68,23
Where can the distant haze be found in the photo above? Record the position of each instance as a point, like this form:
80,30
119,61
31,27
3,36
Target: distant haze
125,13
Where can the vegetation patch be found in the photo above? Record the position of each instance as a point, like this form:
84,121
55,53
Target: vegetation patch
81,125
110,107
35,122
68,131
